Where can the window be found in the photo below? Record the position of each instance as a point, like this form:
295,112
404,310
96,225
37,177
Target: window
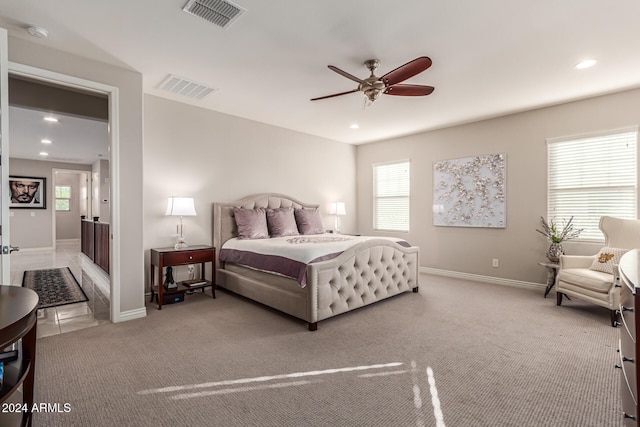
63,196
391,196
592,176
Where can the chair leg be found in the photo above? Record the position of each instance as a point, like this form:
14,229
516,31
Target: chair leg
614,318
558,298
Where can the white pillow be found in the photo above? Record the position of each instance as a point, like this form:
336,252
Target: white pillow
606,259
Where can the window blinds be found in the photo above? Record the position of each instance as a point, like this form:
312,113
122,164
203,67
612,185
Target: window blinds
590,177
391,196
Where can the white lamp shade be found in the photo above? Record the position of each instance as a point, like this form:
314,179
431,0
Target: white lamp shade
337,208
181,206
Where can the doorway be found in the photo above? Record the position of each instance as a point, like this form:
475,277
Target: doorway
111,94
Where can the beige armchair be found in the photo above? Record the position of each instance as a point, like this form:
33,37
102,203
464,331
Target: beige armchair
592,278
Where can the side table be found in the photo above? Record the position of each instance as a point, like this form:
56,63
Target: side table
18,321
552,271
169,257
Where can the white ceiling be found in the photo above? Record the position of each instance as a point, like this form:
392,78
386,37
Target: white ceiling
490,57
73,139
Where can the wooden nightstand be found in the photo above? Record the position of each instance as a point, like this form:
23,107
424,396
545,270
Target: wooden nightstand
168,257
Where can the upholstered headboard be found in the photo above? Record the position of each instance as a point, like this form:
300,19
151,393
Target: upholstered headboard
224,224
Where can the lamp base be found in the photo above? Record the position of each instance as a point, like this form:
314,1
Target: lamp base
181,244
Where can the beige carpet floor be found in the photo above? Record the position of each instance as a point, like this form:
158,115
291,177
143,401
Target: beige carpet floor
459,353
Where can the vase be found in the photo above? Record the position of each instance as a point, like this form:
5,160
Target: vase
554,252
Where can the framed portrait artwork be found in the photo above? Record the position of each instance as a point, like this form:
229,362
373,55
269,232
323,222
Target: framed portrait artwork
27,192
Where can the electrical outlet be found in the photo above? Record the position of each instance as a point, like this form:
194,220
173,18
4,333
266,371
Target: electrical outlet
495,263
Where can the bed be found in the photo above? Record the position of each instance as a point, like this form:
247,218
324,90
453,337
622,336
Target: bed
371,270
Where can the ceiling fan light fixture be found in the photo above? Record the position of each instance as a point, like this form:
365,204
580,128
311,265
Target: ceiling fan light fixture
372,94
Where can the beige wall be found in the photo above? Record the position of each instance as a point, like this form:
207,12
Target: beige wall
522,137
129,279
33,228
212,157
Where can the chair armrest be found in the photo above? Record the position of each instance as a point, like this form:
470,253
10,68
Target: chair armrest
576,261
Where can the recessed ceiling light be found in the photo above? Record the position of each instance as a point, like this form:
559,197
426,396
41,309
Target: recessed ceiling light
51,119
46,141
354,126
44,153
586,64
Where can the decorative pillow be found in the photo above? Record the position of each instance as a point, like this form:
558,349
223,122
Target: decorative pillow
309,221
606,259
282,222
252,223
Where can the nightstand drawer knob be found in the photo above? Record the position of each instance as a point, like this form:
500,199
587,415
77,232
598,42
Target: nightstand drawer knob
190,257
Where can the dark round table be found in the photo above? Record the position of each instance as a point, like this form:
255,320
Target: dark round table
18,319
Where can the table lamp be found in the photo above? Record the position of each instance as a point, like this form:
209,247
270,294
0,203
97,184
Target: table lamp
180,206
337,209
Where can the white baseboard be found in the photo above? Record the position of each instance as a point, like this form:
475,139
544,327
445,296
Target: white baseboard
484,279
138,313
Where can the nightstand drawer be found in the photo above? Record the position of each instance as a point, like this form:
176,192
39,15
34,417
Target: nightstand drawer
188,257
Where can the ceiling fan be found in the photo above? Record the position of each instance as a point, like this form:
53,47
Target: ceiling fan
388,84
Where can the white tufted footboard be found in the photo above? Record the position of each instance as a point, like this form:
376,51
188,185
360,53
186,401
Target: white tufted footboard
371,271
362,275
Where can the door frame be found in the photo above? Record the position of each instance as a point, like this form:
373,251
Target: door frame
5,234
114,164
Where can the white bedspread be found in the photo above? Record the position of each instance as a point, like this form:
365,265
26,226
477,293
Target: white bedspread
290,255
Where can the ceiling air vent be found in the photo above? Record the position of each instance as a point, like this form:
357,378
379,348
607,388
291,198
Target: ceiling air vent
184,87
219,12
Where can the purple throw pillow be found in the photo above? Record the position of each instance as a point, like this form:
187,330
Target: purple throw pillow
309,221
252,223
282,222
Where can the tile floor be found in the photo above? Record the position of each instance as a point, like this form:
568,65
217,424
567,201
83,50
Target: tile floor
70,317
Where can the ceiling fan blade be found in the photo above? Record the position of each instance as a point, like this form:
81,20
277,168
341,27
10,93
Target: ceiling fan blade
406,71
347,75
335,94
409,90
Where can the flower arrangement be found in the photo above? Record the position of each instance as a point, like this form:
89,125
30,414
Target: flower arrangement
553,232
